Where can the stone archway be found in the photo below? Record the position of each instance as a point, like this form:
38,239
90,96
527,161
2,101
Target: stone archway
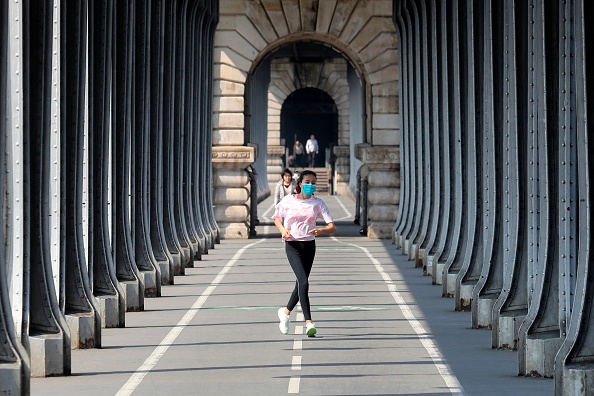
329,76
248,32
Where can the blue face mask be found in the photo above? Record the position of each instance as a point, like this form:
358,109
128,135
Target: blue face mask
309,189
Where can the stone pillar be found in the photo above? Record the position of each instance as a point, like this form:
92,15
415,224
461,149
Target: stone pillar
274,164
383,194
342,170
231,197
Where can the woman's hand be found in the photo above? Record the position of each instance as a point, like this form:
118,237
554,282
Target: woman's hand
285,233
328,230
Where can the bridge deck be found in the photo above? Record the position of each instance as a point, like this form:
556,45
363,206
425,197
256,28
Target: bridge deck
383,330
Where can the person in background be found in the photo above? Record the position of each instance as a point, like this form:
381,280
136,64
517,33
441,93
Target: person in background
311,147
295,217
284,187
298,152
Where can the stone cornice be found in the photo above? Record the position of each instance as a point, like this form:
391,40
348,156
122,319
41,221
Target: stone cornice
275,150
378,157
341,151
233,157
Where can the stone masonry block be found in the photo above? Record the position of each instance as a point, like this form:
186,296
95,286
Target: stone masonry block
232,39
246,28
386,121
227,137
82,330
381,43
232,214
258,17
275,12
229,103
386,104
131,295
229,73
47,355
228,120
10,379
226,56
373,28
109,307
390,73
386,137
228,88
230,178
231,195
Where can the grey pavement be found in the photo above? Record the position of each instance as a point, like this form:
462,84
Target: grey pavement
383,329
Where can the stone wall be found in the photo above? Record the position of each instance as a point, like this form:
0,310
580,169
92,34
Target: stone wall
362,31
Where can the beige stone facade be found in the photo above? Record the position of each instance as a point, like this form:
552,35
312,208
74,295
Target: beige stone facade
363,32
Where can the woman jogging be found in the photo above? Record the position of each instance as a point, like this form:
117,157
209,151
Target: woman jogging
295,217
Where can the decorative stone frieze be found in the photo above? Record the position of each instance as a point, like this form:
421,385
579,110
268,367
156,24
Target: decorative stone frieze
233,157
379,157
231,196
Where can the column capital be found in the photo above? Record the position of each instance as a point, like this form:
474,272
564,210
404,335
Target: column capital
378,157
233,157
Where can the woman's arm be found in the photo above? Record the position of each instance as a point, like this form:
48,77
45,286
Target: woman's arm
284,232
328,230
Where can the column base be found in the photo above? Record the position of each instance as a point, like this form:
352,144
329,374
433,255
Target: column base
47,356
380,230
508,329
149,279
234,230
110,310
541,350
484,313
10,379
132,296
82,330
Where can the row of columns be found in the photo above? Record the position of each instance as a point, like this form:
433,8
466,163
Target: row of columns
106,141
496,187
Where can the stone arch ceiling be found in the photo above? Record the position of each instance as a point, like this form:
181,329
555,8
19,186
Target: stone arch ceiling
362,30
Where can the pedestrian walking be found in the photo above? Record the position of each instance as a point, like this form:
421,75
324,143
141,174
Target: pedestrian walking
298,152
284,187
312,149
295,217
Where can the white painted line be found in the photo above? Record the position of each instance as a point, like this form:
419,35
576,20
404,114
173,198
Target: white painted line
169,339
265,214
294,385
296,363
348,213
298,329
297,345
300,317
444,369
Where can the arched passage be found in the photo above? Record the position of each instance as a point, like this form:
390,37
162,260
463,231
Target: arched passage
306,112
259,40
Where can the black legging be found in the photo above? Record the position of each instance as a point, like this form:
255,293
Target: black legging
301,256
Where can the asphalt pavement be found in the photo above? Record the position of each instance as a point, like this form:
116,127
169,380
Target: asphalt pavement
383,329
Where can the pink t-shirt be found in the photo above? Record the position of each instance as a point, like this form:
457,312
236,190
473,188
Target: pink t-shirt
299,216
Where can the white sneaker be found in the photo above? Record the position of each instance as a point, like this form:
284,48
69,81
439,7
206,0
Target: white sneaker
284,321
310,329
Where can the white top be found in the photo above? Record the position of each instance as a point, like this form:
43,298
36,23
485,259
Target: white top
299,216
311,145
